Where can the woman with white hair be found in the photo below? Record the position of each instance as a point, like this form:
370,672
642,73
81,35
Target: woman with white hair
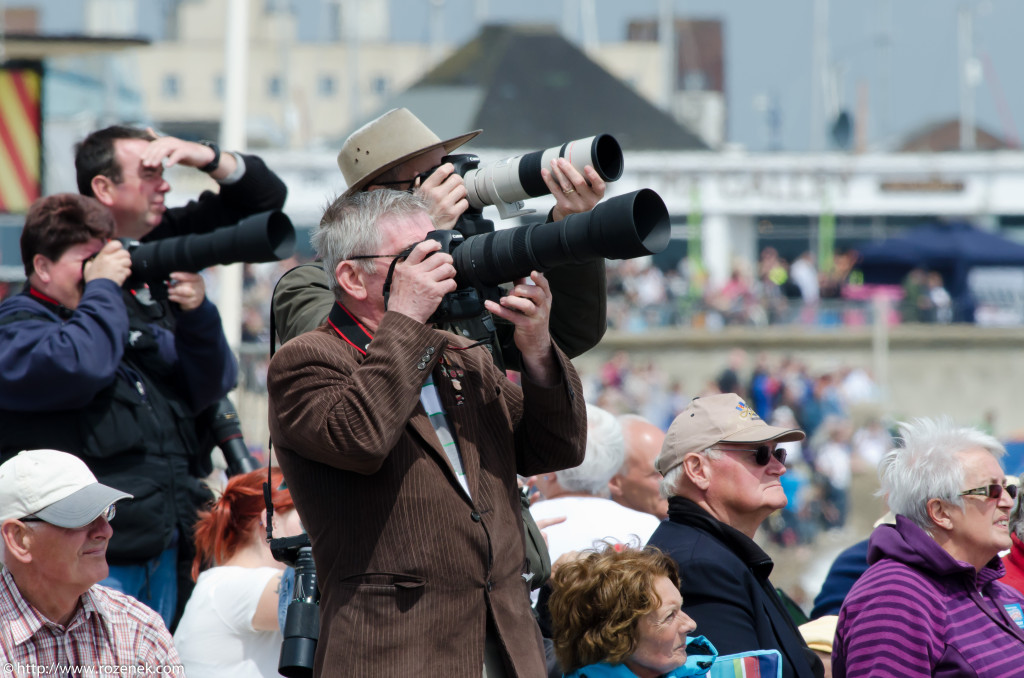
929,603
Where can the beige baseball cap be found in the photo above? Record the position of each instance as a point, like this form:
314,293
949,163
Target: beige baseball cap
707,421
387,142
53,486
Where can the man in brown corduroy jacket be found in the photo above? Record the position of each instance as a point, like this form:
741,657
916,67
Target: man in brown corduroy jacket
401,444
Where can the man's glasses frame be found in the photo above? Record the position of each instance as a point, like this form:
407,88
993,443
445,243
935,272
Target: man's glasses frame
762,454
107,514
993,491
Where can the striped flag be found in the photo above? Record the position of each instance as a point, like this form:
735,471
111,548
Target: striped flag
20,136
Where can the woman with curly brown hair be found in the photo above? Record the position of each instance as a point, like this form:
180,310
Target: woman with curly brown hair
618,612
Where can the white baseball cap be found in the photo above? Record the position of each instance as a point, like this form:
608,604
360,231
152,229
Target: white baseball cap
55,487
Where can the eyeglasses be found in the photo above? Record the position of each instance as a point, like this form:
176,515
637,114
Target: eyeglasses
422,176
993,491
372,256
762,454
107,514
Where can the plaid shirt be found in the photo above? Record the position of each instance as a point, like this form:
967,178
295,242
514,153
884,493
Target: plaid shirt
110,633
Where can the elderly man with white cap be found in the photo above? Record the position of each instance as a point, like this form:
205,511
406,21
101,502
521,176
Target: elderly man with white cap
54,520
722,465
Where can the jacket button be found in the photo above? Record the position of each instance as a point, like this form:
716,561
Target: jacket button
430,350
475,516
490,585
421,365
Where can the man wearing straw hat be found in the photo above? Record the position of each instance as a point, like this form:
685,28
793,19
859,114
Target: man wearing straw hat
393,151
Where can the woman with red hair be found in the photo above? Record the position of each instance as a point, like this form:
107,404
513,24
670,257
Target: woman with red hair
230,625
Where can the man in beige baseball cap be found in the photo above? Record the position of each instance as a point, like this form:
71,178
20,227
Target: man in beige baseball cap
54,524
722,465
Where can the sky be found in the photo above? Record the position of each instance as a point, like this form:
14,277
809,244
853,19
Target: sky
902,53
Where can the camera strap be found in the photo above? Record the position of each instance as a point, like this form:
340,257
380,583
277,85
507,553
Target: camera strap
348,328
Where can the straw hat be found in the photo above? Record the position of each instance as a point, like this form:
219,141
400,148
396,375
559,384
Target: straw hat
387,142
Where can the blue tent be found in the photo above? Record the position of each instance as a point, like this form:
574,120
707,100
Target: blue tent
952,249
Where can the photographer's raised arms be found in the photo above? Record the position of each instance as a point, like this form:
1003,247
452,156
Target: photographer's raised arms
393,151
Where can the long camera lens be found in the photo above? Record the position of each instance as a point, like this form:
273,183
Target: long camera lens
302,620
623,227
267,236
518,178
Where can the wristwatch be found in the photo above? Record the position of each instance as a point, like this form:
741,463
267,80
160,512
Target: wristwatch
215,163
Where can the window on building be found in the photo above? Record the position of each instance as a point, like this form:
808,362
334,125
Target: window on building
379,85
218,86
170,86
274,87
326,86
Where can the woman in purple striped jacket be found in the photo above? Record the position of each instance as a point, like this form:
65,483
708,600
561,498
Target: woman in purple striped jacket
929,604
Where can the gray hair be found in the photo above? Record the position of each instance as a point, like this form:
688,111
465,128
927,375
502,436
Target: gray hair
606,450
927,467
351,227
669,486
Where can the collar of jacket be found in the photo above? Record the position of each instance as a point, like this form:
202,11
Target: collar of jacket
349,328
905,542
686,512
54,306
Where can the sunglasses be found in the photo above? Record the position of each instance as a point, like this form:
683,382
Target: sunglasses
762,455
993,491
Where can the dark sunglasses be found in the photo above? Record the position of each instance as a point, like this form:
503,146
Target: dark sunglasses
993,491
761,455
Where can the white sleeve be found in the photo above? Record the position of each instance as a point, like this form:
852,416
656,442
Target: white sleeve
236,596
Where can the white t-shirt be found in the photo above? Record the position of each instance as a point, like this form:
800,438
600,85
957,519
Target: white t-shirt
589,520
215,637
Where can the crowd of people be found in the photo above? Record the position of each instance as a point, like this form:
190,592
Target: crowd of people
772,291
461,522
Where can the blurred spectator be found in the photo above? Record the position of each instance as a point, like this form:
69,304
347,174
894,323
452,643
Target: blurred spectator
869,444
805,275
581,495
635,485
832,461
1014,560
230,625
941,302
729,379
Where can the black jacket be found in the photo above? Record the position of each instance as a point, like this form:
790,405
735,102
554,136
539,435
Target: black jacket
726,590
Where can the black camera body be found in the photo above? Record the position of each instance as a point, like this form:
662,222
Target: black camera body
464,302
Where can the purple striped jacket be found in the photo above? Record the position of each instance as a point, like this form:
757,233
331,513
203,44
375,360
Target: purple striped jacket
917,611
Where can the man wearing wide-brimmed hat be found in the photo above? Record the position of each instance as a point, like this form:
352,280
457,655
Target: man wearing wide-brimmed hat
392,151
722,465
54,522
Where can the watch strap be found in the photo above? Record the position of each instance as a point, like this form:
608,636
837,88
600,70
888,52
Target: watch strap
215,163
